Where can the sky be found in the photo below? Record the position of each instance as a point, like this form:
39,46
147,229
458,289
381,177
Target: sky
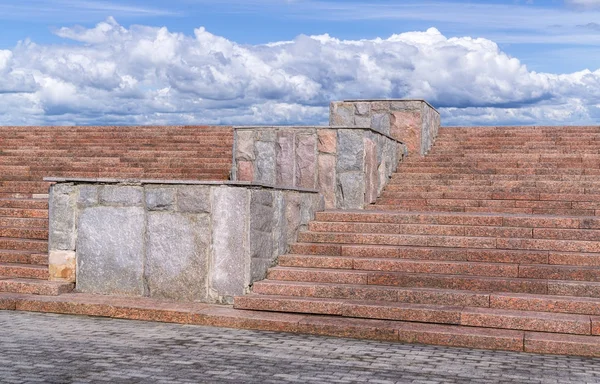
497,62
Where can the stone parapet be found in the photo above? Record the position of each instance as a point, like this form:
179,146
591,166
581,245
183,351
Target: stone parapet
413,122
349,166
172,240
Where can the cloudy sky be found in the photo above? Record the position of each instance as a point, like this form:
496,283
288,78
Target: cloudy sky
498,62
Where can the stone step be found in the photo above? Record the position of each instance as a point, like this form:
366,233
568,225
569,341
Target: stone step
432,296
437,280
27,271
447,267
33,286
24,233
445,254
424,313
507,210
536,244
33,245
23,257
423,266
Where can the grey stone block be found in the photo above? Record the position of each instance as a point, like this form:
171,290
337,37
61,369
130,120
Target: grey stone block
279,223
362,109
230,271
177,252
265,162
160,198
306,161
62,217
380,122
351,190
285,159
121,195
350,150
341,114
261,232
193,198
110,251
362,121
244,145
293,214
88,195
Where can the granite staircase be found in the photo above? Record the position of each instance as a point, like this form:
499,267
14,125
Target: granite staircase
490,241
28,154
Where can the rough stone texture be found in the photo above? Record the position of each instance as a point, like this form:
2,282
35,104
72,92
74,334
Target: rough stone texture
306,160
88,195
110,251
121,195
351,190
230,265
350,150
327,180
245,170
313,158
380,122
341,114
285,159
244,145
327,141
160,198
261,233
188,242
265,162
63,216
177,252
406,127
413,122
62,266
193,199
371,174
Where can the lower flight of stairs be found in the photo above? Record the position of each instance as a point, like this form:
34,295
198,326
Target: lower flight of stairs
450,252
28,154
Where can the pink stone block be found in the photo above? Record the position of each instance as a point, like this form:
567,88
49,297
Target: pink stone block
284,170
245,170
326,179
406,127
371,177
306,161
327,140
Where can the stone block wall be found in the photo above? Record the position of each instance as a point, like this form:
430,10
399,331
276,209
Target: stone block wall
413,122
177,241
350,166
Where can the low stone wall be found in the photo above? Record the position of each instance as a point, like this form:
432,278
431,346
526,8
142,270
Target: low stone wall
413,122
349,166
180,241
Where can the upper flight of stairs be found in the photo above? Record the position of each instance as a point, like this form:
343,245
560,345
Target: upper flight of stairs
493,236
28,154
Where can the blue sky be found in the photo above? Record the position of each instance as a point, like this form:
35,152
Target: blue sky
552,37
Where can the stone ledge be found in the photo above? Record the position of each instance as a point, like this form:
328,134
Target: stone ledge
174,182
252,127
225,316
391,100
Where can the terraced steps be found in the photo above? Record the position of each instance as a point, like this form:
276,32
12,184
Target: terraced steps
494,231
29,154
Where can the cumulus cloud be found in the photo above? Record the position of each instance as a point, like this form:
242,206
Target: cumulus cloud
110,74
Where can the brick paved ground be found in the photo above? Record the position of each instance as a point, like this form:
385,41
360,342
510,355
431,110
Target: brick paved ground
70,349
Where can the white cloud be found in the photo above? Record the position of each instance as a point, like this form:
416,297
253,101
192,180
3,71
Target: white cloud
149,75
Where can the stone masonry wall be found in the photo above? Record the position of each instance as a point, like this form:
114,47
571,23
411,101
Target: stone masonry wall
413,122
349,166
189,242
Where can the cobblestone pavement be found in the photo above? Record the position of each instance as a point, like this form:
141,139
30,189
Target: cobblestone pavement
70,349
